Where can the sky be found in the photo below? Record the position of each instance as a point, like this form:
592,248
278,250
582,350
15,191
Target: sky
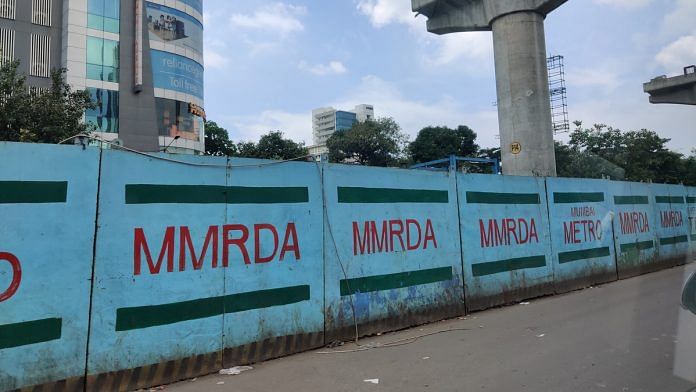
269,63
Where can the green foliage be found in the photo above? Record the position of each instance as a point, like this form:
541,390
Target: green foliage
217,140
440,142
47,117
373,142
272,146
603,151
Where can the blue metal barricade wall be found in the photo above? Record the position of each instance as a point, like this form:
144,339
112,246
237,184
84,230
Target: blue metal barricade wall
671,220
47,208
635,229
581,232
158,298
274,286
505,239
213,262
392,245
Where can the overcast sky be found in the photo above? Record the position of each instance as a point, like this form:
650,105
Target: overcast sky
268,64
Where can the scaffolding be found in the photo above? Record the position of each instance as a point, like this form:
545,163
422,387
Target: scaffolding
557,92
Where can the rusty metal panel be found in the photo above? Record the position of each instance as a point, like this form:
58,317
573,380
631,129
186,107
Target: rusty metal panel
158,298
635,229
505,239
392,249
672,222
581,232
275,289
47,203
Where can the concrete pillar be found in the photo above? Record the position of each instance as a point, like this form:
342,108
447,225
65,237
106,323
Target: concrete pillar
524,113
524,110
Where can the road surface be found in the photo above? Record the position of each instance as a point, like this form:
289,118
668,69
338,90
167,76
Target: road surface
630,335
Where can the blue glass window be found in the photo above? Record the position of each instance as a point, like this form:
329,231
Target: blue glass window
102,59
345,120
104,15
105,115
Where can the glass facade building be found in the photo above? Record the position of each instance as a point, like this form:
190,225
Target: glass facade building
104,15
345,120
140,60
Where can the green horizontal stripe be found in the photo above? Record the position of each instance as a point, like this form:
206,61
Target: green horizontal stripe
495,267
577,197
567,257
674,240
390,195
502,198
30,332
213,194
395,281
669,199
693,237
631,200
155,315
637,246
691,200
21,192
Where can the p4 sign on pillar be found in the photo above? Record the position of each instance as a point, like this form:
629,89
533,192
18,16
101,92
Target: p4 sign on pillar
672,222
47,212
582,239
505,239
393,257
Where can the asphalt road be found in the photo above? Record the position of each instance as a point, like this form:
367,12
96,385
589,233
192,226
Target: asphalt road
630,335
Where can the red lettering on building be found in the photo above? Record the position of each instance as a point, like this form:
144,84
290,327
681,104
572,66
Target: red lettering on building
507,231
16,275
393,235
263,239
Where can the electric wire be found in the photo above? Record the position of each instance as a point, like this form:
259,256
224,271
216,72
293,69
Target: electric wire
395,343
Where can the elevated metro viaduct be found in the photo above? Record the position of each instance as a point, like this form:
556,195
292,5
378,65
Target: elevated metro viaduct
677,89
524,113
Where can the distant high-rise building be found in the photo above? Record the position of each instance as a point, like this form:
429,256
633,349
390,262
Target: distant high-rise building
326,121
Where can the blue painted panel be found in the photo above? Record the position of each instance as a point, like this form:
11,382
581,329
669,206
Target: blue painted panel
582,240
123,334
177,73
635,232
292,264
505,239
672,223
48,231
372,279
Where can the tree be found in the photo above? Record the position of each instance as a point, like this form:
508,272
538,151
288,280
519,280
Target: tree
44,117
439,142
217,140
635,155
272,146
373,142
15,108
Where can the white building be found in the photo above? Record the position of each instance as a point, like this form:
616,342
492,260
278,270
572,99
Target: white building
327,120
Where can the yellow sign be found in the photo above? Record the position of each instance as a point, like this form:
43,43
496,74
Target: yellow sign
515,147
196,110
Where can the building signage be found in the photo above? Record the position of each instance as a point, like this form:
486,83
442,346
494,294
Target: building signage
177,73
